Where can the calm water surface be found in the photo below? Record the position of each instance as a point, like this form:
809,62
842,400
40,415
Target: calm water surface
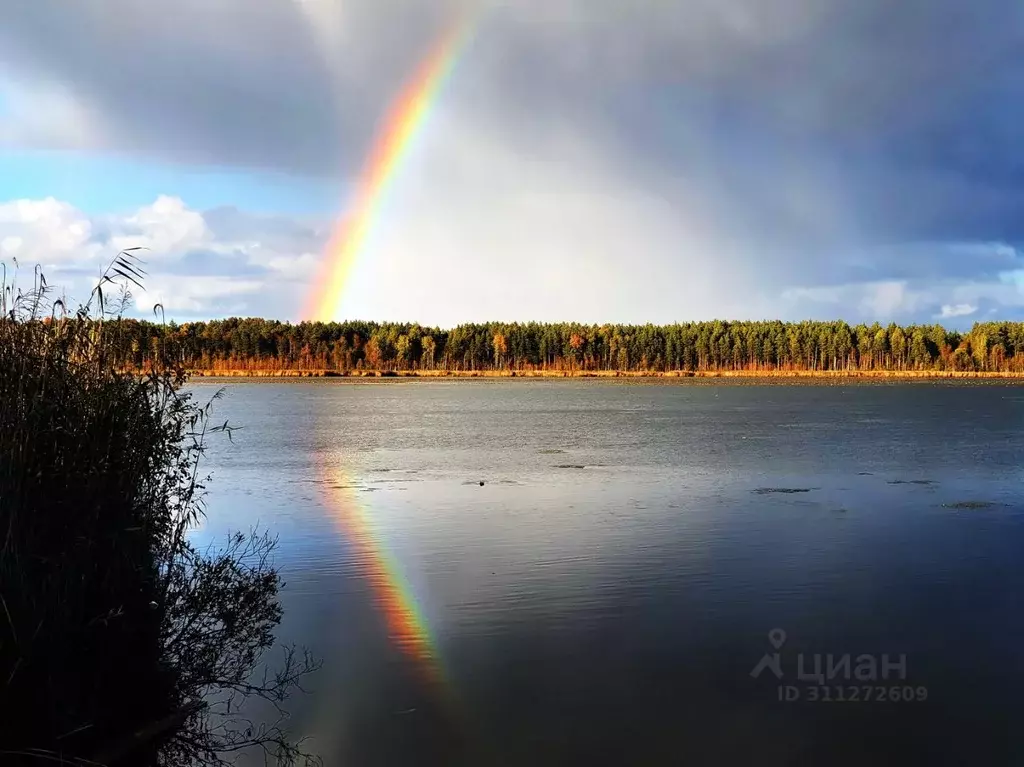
604,596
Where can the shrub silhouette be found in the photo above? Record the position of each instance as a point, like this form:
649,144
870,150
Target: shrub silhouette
120,643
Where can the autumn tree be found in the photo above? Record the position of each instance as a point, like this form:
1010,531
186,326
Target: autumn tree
500,345
373,356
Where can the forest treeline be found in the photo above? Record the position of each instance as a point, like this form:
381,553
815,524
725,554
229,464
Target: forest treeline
259,344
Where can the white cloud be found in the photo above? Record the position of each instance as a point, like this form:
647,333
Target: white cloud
957,310
45,232
882,300
918,300
302,266
10,246
53,234
224,295
196,262
167,227
886,299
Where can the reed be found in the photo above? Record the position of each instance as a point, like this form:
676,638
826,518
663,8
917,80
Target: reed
120,643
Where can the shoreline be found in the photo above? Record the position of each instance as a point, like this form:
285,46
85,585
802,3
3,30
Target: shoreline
804,375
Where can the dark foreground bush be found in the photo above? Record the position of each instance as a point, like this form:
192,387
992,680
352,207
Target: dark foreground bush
119,642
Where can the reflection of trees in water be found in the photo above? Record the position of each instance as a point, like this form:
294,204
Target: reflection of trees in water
120,643
221,615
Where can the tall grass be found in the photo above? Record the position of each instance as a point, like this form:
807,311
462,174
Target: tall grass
120,643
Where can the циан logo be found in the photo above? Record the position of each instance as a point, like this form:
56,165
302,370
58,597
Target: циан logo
838,677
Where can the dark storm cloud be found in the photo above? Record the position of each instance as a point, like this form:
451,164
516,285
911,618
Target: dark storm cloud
909,111
290,84
237,85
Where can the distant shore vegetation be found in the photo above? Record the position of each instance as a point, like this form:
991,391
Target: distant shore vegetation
256,346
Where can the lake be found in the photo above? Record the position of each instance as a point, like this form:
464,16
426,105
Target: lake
557,572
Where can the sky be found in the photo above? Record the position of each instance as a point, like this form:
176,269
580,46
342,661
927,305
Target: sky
586,160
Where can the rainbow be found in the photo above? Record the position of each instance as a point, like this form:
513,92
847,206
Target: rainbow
404,121
406,624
